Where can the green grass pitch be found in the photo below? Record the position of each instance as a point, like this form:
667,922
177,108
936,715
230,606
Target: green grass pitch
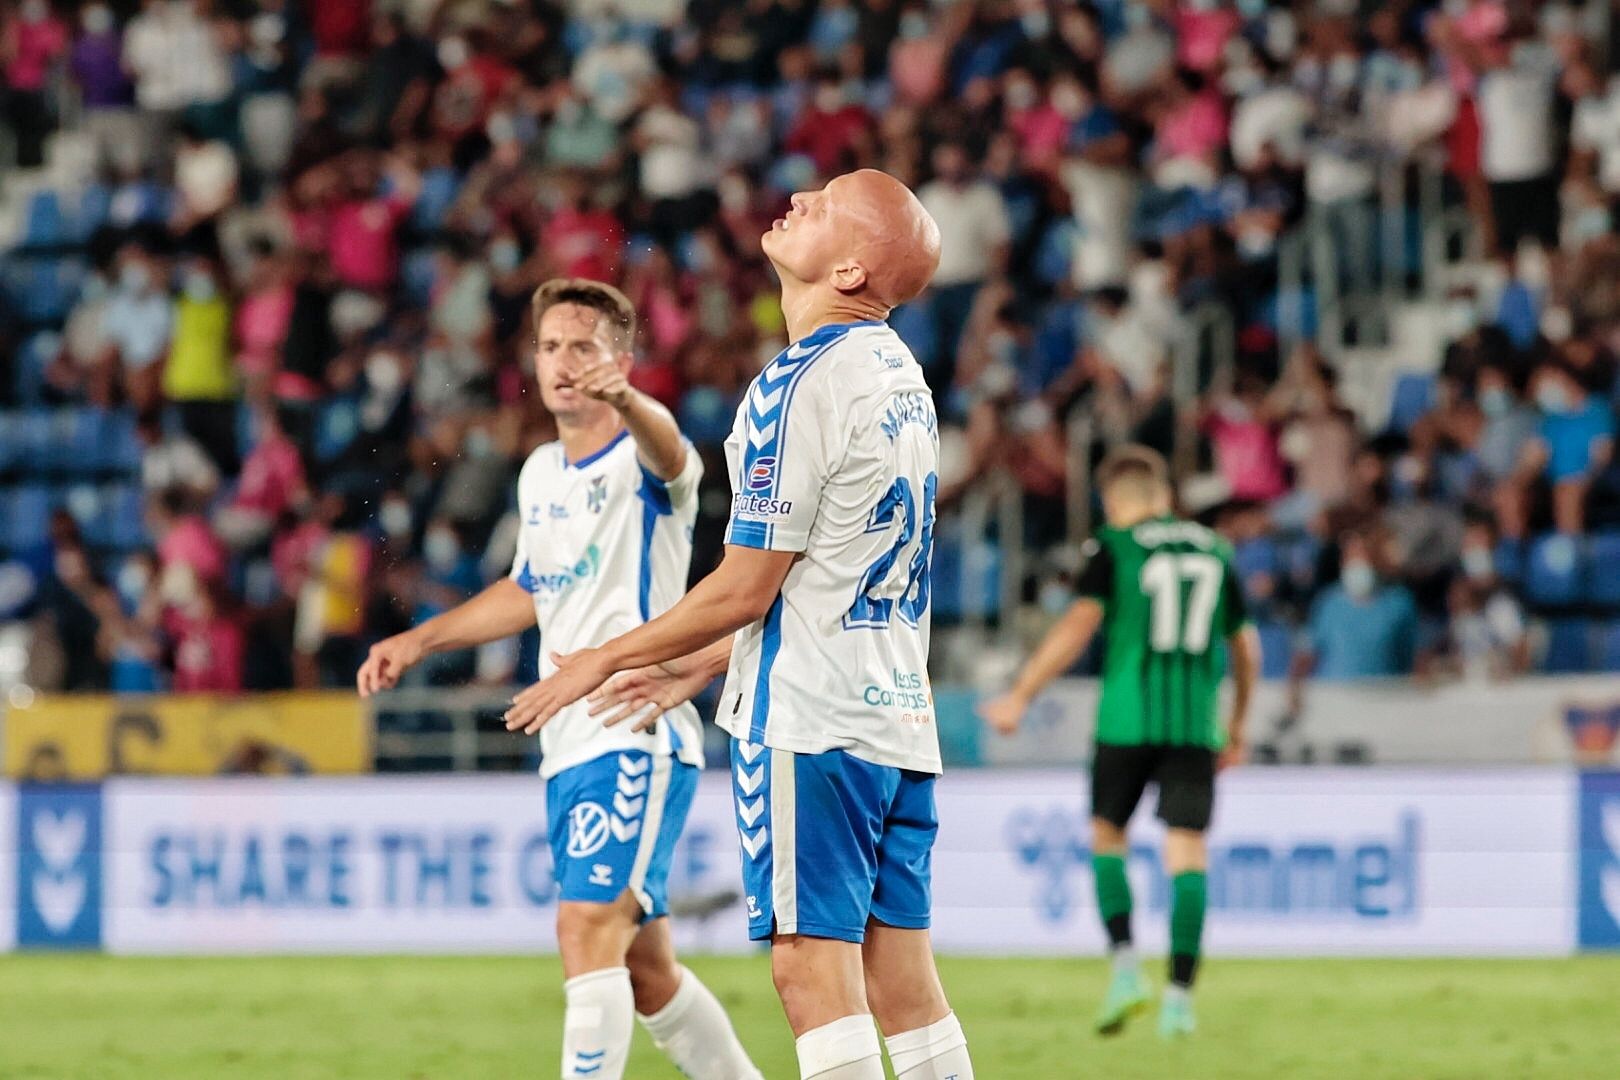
415,1018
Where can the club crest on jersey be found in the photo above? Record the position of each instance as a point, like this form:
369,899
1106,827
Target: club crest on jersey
534,514
759,476
596,497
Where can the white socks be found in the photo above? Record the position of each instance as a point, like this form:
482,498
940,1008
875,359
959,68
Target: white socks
694,1032
597,1025
936,1052
846,1049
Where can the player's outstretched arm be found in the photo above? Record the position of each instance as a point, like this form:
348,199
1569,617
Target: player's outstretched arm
740,591
647,693
1243,653
1057,653
503,609
659,443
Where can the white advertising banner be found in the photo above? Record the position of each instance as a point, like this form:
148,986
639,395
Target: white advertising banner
1302,861
1322,860
451,863
1385,722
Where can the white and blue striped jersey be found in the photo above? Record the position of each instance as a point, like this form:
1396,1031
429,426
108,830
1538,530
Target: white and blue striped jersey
834,454
604,546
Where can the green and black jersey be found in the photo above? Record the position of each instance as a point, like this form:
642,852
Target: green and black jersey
1170,600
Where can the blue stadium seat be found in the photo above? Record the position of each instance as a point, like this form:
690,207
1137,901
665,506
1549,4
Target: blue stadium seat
1509,559
33,357
1276,649
26,520
76,441
11,446
120,449
94,207
126,509
440,186
1554,576
34,433
1413,397
417,275
45,289
1054,252
45,225
914,322
1603,556
88,509
1568,646
1608,646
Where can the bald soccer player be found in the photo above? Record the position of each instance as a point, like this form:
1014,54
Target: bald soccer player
819,615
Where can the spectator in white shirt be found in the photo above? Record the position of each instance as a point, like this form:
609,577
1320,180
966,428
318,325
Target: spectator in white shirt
1517,144
973,237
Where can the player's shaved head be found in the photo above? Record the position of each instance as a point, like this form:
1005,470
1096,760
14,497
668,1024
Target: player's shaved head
864,234
896,240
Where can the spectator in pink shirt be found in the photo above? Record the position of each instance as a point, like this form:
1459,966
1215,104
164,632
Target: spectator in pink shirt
272,481
1041,129
917,60
30,45
1246,444
1203,28
184,539
362,232
1191,133
263,315
208,646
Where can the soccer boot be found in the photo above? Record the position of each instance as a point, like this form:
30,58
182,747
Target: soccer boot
1176,1020
1127,997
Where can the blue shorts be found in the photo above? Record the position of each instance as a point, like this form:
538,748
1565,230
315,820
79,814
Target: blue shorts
830,841
614,821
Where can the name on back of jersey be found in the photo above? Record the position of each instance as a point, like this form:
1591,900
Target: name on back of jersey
910,408
1155,533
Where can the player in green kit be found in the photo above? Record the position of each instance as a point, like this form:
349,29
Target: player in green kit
1164,592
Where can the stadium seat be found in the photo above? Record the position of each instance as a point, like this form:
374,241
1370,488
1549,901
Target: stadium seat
11,451
418,274
126,509
120,449
1603,555
27,518
34,432
76,436
1607,649
35,354
1413,397
1568,647
440,186
94,207
85,504
1509,560
1554,575
1276,649
45,225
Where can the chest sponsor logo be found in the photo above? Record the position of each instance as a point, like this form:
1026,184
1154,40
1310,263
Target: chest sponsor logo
587,830
558,511
565,578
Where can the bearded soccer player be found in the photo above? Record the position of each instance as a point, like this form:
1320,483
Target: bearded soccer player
1164,592
605,545
825,584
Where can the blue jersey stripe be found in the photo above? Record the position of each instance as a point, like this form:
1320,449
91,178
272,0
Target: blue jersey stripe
654,494
767,660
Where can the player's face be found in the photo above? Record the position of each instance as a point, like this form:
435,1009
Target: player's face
813,237
570,339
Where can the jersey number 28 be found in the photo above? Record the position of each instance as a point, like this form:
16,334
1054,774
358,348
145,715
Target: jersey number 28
872,610
1171,629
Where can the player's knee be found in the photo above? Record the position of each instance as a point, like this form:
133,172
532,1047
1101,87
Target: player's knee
815,983
904,1003
1184,850
1106,837
591,936
654,978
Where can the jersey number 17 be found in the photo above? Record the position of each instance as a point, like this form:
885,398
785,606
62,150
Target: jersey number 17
1175,627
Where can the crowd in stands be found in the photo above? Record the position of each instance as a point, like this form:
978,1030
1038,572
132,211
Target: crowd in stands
265,351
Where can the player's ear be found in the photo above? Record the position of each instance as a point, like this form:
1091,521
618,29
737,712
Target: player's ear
626,360
849,276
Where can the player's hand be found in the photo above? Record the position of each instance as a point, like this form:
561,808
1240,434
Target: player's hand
646,694
1004,713
577,674
1235,753
387,661
603,380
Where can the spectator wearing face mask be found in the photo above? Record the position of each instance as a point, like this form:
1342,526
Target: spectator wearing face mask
97,66
1362,626
1486,634
1575,440
138,320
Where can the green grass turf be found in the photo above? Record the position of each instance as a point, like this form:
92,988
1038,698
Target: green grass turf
310,1018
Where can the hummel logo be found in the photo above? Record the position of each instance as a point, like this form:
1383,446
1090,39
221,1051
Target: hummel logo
601,874
627,808
750,751
750,812
624,830
754,842
798,349
631,767
750,782
631,787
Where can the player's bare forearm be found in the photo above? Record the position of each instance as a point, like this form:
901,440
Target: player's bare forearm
711,660
740,591
1244,649
658,438
503,609
1060,649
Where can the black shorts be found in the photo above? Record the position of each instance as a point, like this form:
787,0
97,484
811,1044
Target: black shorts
1185,776
1525,209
